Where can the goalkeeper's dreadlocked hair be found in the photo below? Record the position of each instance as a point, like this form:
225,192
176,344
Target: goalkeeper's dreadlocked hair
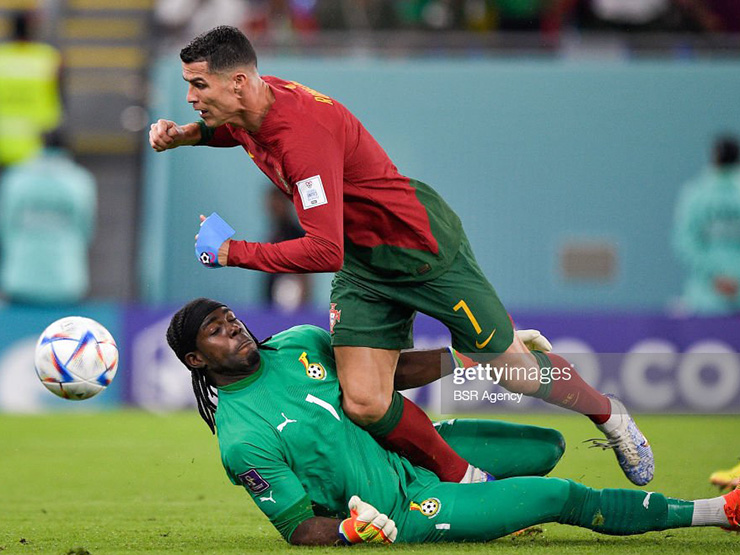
204,394
181,334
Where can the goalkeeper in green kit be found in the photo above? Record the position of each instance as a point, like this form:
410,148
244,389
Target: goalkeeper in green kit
323,480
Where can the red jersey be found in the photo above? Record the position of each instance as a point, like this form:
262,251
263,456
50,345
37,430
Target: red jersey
357,210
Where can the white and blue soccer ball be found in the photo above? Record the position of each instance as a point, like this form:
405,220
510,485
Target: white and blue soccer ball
76,358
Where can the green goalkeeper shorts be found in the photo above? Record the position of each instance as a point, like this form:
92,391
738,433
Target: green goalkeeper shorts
380,314
447,512
437,511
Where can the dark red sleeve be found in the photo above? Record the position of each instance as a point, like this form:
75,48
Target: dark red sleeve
310,152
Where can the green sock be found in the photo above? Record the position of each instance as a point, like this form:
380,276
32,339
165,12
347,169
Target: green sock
623,511
544,391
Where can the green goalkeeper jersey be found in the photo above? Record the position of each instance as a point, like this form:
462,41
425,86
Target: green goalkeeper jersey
284,437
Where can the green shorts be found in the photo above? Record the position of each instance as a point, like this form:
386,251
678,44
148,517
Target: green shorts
448,512
380,314
434,511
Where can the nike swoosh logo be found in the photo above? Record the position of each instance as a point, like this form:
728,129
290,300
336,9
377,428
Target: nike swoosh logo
480,345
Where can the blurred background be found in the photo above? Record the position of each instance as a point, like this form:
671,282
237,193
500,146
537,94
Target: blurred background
586,144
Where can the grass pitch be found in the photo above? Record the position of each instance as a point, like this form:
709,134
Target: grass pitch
135,482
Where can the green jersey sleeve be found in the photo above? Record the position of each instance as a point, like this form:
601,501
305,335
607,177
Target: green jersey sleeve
274,487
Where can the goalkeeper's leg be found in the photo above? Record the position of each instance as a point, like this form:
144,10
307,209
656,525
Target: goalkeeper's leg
504,449
480,512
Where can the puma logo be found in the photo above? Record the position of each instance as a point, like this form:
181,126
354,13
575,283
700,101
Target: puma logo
268,498
287,421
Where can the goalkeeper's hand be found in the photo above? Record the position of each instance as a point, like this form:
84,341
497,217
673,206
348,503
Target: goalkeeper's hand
534,340
366,524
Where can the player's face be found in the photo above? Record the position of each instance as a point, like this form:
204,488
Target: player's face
224,344
211,94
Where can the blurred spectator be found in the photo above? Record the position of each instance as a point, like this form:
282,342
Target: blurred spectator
521,15
707,233
280,20
627,15
47,212
657,15
362,14
30,105
718,16
182,19
285,291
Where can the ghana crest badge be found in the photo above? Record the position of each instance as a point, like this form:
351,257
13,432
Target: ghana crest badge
314,370
429,507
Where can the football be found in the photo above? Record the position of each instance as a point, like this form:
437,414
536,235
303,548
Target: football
76,358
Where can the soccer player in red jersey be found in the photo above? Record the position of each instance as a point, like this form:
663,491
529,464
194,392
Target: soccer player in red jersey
395,245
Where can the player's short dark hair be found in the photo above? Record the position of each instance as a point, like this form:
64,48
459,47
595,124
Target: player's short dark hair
726,152
223,48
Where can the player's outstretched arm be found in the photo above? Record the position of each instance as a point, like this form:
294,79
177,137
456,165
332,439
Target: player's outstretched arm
418,368
317,530
166,135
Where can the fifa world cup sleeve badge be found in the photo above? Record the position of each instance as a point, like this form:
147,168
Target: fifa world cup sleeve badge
254,481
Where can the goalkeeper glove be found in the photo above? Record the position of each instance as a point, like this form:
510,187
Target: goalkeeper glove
366,524
214,231
534,340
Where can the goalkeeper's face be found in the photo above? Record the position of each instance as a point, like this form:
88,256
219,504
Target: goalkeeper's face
224,345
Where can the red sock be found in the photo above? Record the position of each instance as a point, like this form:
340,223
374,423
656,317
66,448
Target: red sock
575,394
415,438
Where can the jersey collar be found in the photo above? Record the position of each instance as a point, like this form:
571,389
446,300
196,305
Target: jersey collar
249,380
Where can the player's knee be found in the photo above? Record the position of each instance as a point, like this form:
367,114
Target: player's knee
364,410
556,449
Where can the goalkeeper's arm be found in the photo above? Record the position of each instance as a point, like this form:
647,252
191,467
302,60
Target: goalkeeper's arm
317,530
418,368
365,525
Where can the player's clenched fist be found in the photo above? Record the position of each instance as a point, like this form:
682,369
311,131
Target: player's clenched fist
165,134
366,524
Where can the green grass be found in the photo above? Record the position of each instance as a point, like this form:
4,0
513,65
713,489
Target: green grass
134,482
